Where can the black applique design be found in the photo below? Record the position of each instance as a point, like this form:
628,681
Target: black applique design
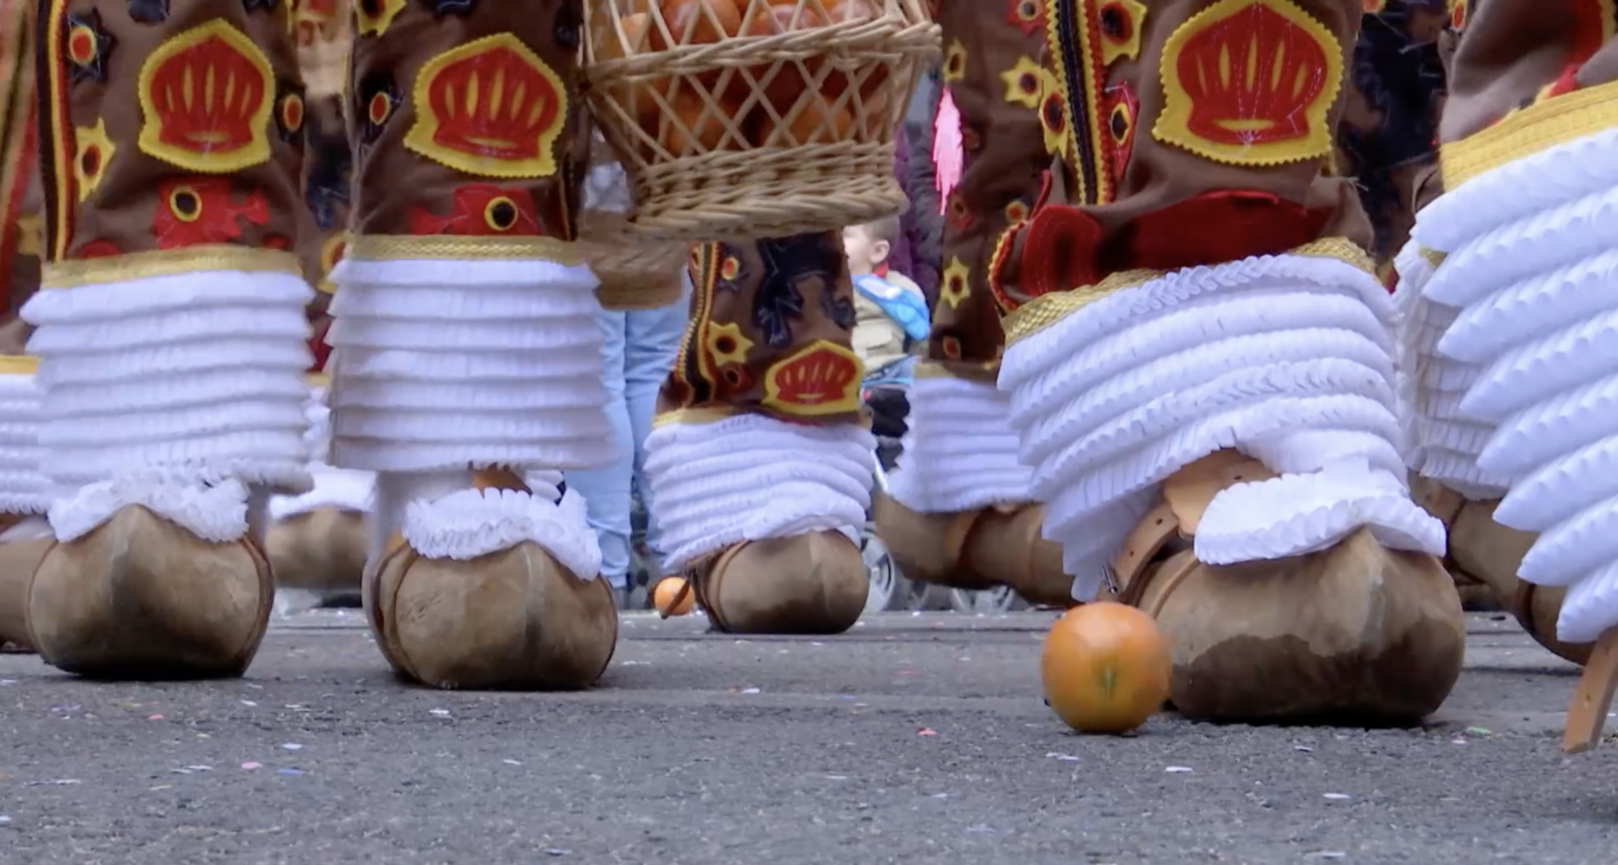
378,98
149,11
788,261
839,309
88,46
330,159
440,8
566,32
291,110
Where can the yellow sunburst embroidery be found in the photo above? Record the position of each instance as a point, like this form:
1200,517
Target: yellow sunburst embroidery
93,150
726,344
1024,83
955,62
376,16
956,286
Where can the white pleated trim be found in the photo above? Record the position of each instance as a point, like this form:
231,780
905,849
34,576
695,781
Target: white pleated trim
1441,442
960,452
342,489
1287,358
444,364
751,477
175,393
1535,283
23,489
474,523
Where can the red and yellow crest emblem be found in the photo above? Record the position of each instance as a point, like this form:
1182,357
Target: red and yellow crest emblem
206,96
491,108
1250,82
823,378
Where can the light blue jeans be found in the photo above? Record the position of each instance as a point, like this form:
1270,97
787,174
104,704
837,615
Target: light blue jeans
640,349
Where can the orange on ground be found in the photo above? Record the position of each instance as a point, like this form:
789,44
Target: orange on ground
1105,668
667,592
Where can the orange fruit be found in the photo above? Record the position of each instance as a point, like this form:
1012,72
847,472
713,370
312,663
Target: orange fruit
1105,668
699,130
692,24
807,128
667,593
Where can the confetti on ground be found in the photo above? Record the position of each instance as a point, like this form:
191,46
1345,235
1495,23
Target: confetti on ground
440,713
161,787
1305,749
1071,758
750,690
510,762
4,819
289,771
924,731
1179,770
1457,741
1479,731
291,746
249,703
250,765
6,683
1337,797
1329,854
154,717
557,851
837,777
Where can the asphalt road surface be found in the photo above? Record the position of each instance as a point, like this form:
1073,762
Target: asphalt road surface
914,738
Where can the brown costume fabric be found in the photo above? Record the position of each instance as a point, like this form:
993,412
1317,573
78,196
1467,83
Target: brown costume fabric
1235,170
992,58
770,332
1511,50
136,168
19,185
511,166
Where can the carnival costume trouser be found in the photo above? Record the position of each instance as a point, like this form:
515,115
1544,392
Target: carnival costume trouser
172,349
1509,331
961,511
1200,364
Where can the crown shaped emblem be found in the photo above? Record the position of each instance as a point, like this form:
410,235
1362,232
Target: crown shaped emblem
823,378
491,107
206,96
1250,82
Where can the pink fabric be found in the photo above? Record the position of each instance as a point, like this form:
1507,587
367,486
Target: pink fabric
947,153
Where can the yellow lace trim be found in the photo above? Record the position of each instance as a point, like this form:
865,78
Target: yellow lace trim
446,248
167,262
1042,312
14,364
1523,133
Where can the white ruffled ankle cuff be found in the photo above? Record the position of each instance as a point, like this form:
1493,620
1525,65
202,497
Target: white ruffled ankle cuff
214,510
342,489
959,452
751,477
1527,284
473,523
1286,358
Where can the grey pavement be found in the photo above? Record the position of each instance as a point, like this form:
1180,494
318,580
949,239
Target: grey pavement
914,739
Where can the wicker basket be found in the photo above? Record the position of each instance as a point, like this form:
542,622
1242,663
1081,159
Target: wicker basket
635,272
755,118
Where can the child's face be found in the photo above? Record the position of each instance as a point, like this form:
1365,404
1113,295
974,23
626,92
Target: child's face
864,252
